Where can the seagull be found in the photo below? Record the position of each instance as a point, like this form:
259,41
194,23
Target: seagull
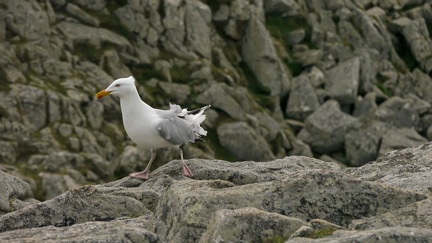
152,128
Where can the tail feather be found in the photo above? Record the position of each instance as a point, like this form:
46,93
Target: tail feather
196,120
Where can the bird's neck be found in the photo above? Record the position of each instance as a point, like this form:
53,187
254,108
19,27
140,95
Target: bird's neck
130,103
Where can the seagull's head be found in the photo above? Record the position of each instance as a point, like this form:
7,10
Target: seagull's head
119,87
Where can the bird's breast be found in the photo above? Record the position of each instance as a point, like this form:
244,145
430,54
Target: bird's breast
142,130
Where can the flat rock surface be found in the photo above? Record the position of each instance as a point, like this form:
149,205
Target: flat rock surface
291,197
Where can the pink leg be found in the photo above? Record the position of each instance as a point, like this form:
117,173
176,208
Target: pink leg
186,171
145,173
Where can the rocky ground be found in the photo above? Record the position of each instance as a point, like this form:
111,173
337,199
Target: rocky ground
343,81
295,199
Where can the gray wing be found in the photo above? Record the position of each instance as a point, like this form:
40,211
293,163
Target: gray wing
175,130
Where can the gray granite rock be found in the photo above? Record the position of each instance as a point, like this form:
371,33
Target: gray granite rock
342,81
325,128
73,207
417,36
407,169
260,55
399,139
183,204
249,225
13,189
217,95
398,112
400,217
396,234
302,99
244,142
120,230
364,143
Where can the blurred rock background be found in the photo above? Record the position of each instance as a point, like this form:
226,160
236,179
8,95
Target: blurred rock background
339,80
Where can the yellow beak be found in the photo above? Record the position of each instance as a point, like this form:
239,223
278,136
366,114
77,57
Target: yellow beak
102,93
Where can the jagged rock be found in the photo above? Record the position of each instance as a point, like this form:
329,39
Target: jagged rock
78,33
342,81
28,20
417,36
62,161
177,93
114,65
407,169
365,107
217,96
399,24
132,159
260,55
400,217
363,144
10,65
400,139
13,189
281,6
419,105
386,234
32,103
133,18
77,12
302,100
184,201
222,14
97,5
119,230
398,112
249,225
297,147
55,184
8,151
252,145
73,207
268,126
325,128
248,172
314,228
94,112
309,57
197,20
417,83
296,36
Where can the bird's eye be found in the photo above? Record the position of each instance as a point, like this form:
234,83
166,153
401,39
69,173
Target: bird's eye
117,85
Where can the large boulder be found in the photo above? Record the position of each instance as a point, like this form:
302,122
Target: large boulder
325,128
73,207
342,81
14,193
305,195
407,169
244,142
417,36
249,225
260,55
363,144
302,99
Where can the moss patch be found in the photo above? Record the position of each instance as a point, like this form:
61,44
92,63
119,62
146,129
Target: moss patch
321,233
280,27
381,85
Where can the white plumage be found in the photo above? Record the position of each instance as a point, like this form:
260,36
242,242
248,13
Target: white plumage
152,128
